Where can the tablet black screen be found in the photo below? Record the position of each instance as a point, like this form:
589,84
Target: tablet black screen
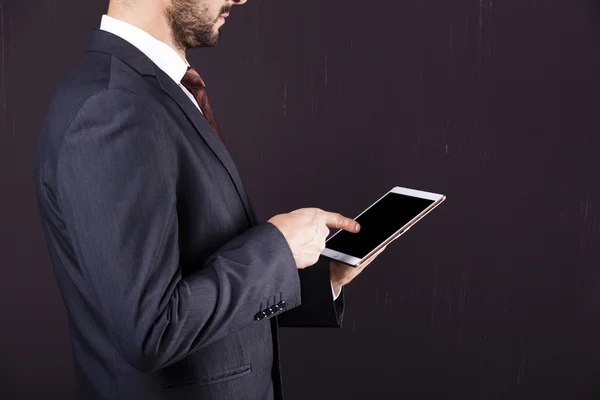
378,223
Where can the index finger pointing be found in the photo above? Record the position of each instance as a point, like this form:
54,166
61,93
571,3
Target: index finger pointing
336,220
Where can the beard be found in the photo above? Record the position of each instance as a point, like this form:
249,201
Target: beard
191,24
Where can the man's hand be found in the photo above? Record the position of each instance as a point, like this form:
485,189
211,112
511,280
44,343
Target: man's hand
342,274
306,230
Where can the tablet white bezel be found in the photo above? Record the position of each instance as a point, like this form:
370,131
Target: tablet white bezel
357,262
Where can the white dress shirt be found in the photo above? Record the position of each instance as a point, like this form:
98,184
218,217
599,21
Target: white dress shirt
161,54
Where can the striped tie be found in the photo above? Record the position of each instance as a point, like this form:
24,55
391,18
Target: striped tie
192,82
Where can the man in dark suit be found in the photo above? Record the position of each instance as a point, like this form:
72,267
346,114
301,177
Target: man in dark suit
173,289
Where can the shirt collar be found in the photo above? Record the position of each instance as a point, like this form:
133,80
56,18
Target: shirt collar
161,54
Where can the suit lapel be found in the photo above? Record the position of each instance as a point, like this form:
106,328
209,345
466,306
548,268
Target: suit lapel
208,134
106,42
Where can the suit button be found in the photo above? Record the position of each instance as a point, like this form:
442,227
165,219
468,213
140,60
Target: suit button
269,312
259,316
281,304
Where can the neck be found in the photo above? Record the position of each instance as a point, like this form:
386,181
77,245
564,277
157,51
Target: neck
153,20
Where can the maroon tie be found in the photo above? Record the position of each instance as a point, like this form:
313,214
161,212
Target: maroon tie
192,82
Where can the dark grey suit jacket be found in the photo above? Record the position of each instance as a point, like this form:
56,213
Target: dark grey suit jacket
173,290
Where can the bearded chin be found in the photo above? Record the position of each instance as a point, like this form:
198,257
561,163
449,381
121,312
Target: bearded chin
188,38
189,30
207,37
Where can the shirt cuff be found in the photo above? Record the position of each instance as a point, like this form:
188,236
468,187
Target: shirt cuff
333,291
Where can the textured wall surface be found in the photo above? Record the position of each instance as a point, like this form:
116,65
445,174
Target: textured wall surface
495,295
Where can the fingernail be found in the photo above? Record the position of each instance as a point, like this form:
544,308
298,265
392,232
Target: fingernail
356,227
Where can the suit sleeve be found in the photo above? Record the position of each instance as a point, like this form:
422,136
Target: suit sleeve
318,309
117,188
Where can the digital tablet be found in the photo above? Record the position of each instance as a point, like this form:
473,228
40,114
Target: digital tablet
384,221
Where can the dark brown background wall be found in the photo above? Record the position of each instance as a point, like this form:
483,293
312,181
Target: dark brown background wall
496,295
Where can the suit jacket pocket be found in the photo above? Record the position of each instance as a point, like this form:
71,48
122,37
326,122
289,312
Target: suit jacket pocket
217,377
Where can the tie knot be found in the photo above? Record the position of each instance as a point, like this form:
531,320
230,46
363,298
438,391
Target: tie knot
192,79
